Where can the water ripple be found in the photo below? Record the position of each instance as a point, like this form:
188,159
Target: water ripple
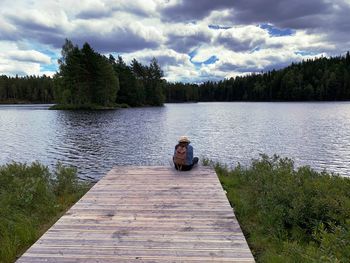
315,134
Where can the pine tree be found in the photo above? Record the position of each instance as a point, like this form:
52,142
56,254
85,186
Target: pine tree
85,77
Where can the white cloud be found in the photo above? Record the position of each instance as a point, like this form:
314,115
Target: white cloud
220,17
186,37
29,56
166,54
175,65
242,38
169,30
22,62
11,68
186,73
300,41
7,29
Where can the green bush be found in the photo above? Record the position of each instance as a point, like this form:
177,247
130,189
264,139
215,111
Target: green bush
289,214
30,198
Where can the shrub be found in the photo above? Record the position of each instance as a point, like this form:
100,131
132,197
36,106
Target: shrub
30,198
289,214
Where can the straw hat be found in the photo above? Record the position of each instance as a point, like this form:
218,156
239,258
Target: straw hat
184,139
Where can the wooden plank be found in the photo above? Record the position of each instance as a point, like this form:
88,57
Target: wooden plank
147,214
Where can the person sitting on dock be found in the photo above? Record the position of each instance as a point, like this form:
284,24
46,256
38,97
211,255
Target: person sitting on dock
183,155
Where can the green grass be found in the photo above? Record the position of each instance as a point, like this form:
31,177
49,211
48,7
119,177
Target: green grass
289,214
31,199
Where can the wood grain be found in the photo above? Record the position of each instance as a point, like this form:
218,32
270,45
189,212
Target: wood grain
147,214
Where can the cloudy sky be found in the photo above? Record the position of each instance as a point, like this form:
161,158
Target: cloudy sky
193,40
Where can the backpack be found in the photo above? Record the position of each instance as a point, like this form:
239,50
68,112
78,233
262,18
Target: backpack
180,155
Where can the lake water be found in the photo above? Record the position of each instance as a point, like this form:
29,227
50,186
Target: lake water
315,134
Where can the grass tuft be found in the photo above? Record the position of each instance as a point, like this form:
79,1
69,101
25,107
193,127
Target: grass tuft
31,199
289,214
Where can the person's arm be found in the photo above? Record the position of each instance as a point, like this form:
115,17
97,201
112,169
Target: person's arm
175,150
189,156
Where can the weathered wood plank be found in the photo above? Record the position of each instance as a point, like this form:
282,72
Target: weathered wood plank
147,214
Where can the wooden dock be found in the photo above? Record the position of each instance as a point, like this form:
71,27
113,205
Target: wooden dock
147,214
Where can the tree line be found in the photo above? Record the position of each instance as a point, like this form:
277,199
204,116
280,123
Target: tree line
29,89
86,77
320,79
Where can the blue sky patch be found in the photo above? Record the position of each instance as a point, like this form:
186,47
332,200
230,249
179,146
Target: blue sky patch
50,67
209,61
49,53
41,48
277,32
306,53
192,54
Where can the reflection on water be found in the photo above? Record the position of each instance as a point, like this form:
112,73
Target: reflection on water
316,134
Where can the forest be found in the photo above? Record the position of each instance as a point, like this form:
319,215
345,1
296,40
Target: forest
319,79
29,89
86,77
